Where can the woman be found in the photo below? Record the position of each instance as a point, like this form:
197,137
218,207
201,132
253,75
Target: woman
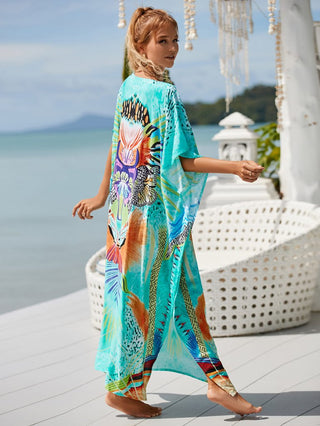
154,308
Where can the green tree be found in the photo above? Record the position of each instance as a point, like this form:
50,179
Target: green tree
256,102
269,152
126,70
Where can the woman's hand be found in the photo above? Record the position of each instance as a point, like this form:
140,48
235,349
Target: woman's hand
85,207
248,170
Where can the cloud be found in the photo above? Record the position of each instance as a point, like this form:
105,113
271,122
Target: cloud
62,58
57,59
46,102
85,5
20,54
26,12
53,85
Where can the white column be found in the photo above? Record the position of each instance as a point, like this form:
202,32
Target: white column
300,137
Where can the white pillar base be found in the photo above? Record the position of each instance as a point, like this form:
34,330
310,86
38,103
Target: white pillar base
229,190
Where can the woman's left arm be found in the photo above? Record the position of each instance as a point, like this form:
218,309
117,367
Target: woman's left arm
247,170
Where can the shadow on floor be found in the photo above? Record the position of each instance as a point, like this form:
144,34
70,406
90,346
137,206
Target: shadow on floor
289,404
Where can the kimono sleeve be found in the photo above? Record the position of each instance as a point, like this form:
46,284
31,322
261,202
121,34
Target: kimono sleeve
115,132
181,190
179,139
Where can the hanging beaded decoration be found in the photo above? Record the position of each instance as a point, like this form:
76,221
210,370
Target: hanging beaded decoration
189,23
234,24
212,14
275,28
279,76
272,20
122,16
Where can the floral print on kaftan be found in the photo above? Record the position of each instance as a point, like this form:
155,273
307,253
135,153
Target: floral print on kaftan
154,307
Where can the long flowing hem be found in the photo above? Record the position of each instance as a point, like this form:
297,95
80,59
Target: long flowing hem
138,391
221,380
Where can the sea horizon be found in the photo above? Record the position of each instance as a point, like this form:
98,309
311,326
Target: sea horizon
44,248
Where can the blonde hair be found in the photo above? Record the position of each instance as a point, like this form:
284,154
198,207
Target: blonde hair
144,23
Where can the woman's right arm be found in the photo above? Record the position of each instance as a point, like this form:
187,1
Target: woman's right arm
85,207
247,170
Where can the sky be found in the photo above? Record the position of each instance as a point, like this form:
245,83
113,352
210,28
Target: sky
60,59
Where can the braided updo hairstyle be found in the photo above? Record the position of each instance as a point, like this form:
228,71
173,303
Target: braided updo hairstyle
144,23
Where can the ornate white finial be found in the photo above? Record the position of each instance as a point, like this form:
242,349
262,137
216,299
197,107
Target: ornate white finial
236,141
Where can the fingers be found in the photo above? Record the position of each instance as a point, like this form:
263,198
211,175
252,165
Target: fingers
250,176
86,213
253,167
75,208
250,171
250,179
83,210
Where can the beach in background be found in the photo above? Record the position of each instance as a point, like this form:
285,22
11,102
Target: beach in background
43,175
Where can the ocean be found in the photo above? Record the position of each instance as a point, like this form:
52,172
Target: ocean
43,175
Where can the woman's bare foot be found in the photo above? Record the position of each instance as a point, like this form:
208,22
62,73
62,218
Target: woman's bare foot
234,403
132,407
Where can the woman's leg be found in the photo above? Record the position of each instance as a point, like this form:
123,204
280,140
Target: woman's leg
194,331
234,403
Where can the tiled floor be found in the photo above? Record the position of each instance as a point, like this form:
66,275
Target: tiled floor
48,376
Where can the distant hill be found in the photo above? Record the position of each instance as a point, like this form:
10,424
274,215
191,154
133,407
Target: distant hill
83,123
256,103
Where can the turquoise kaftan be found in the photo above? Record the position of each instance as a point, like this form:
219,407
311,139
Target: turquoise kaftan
154,311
